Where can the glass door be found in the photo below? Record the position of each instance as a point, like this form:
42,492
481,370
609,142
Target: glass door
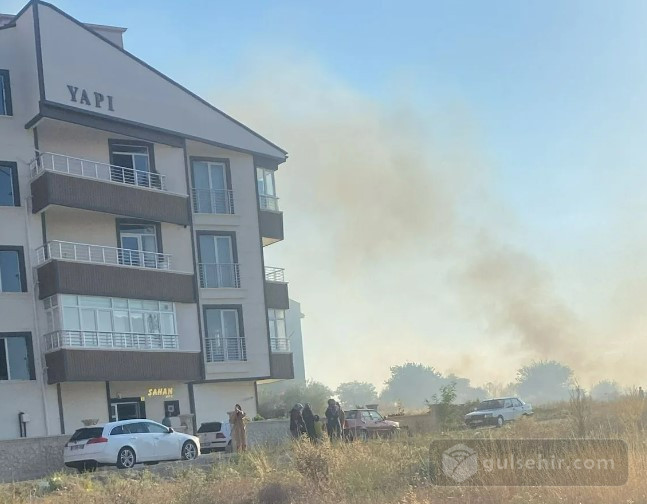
139,244
211,194
217,262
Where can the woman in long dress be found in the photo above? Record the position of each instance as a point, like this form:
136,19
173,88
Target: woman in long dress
238,430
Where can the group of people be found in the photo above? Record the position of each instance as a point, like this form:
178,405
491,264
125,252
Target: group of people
303,421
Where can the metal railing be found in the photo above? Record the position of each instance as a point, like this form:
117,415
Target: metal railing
101,339
225,349
216,275
274,274
280,344
60,163
99,254
213,201
268,202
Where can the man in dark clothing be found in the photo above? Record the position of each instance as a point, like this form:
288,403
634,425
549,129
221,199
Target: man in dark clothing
332,420
297,426
309,419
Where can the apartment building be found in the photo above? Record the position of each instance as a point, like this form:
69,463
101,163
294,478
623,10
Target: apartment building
133,216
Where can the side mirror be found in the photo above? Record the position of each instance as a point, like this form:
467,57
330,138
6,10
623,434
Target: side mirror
170,430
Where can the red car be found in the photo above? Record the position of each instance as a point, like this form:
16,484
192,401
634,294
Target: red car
364,423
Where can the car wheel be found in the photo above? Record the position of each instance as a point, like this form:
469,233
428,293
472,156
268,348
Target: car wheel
499,421
126,458
189,451
363,435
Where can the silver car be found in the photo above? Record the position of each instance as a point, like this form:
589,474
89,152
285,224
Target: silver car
498,411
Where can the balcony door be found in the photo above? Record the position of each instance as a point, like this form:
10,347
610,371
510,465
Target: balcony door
139,245
211,184
218,266
132,163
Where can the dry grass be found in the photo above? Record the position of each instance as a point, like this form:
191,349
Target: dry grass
377,472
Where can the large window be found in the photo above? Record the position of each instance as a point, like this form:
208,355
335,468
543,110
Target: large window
278,335
5,94
218,261
12,270
138,161
225,340
9,195
16,359
110,315
266,189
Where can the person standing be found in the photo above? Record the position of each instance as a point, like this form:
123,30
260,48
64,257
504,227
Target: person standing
238,429
297,425
332,420
310,419
342,419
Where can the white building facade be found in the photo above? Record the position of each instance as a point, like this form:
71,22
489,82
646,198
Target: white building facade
133,216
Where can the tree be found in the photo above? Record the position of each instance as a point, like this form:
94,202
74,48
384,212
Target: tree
276,405
544,382
356,393
410,384
464,390
606,390
442,405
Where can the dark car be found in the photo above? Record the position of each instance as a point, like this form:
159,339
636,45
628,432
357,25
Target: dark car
363,423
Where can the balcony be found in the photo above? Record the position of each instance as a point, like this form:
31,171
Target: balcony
218,276
109,340
225,349
270,219
99,254
57,179
96,270
212,201
280,344
276,289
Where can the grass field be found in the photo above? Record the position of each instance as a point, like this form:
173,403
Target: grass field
376,472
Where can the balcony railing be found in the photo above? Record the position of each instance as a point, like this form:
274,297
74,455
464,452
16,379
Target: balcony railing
98,254
213,201
217,276
109,340
225,349
280,344
59,163
274,274
268,202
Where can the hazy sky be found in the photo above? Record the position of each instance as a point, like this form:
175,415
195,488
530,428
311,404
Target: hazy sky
466,183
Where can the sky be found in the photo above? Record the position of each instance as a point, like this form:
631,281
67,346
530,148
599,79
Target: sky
465,182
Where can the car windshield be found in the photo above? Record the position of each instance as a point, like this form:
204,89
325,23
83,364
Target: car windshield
210,427
87,433
491,404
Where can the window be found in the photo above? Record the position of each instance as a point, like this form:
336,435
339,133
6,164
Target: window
366,416
212,186
92,315
278,336
266,189
133,163
218,261
16,358
376,416
12,270
140,243
155,428
9,194
224,340
5,94
516,403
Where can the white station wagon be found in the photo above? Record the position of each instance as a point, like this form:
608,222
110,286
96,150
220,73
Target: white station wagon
126,443
498,411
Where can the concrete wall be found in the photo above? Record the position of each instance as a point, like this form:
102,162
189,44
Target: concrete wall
214,400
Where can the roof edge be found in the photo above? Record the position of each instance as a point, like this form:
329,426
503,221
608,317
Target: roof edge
149,67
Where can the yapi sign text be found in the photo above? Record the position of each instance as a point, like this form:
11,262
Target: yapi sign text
85,97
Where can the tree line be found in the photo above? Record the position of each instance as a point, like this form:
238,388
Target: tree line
411,386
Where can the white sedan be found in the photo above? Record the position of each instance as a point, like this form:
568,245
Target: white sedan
126,443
